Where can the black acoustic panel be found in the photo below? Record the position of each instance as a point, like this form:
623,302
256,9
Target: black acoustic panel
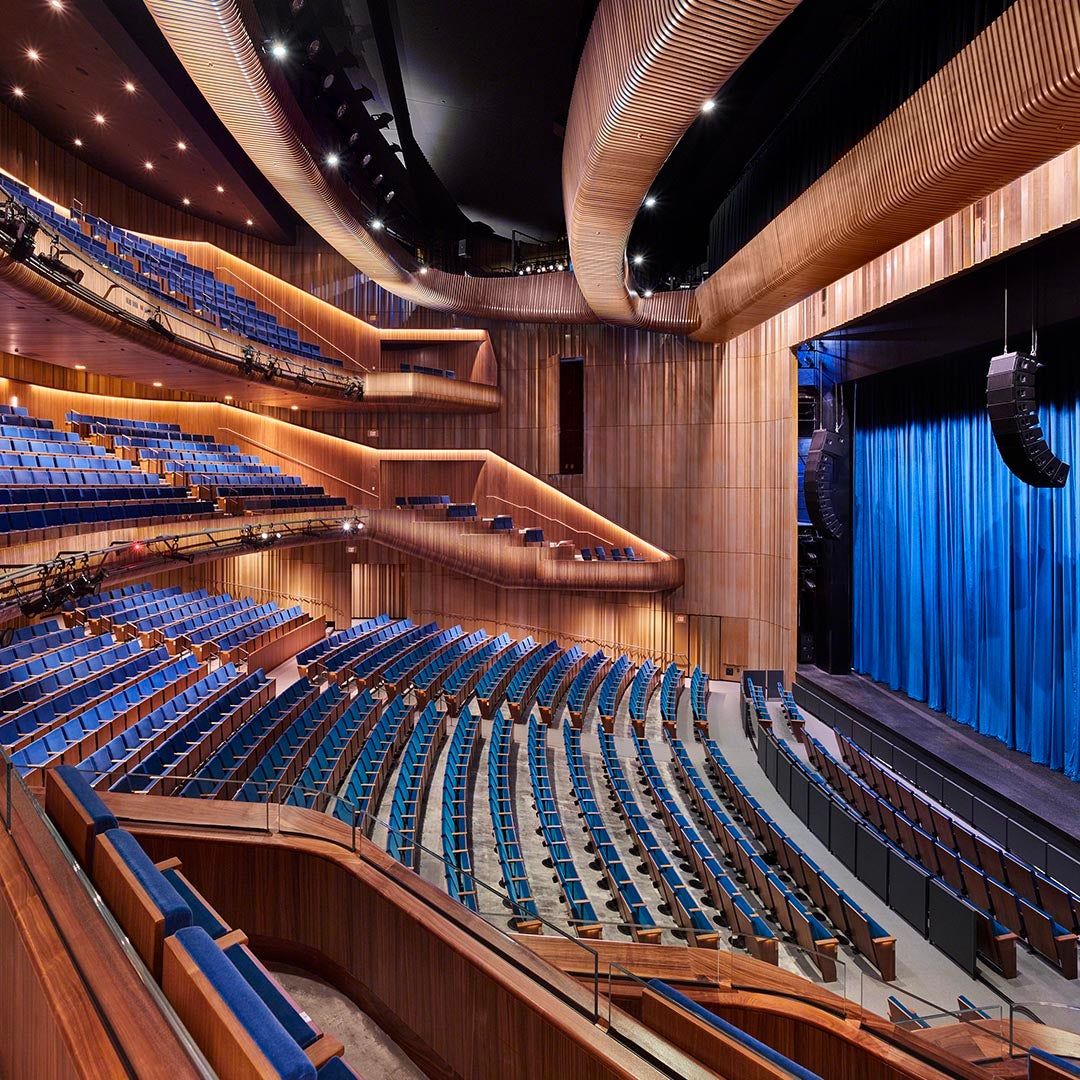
1063,868
842,836
817,816
770,757
990,821
908,885
1025,844
929,780
904,764
571,415
799,796
773,677
872,861
957,799
762,743
953,925
837,719
783,777
862,735
881,748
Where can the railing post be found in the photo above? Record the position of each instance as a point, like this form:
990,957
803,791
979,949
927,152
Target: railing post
7,792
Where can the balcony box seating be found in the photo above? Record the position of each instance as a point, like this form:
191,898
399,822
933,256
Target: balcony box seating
145,904
77,810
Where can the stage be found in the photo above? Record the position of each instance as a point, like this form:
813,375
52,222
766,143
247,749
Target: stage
1032,809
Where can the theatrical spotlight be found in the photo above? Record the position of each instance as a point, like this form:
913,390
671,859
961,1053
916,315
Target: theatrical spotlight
273,369
354,388
383,119
55,263
352,525
25,233
247,364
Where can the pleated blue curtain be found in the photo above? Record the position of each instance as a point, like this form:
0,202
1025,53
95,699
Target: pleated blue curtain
966,590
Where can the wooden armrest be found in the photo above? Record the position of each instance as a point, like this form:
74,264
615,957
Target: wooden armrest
169,864
233,937
323,1049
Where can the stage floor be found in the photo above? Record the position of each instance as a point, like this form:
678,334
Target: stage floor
1044,794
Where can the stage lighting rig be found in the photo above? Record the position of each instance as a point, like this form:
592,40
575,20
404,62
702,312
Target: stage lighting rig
247,362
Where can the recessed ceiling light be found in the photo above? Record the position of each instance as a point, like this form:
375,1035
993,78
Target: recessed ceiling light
187,201
78,141
129,86
376,224
423,269
647,293
148,166
278,50
708,105
18,91
56,5
650,201
99,118
296,408
220,190
33,55
228,397
249,222
638,260
157,384
333,160
80,367
181,146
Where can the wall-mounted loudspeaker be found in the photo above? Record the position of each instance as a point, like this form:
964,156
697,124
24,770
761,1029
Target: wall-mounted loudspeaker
1014,420
827,448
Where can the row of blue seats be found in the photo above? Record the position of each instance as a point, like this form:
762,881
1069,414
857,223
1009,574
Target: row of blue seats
26,641
338,639
228,765
688,913
210,627
470,667
173,618
869,937
24,682
421,369
525,675
53,445
671,688
584,682
699,696
490,681
375,661
547,695
116,601
76,476
456,826
81,726
129,425
17,521
610,689
346,651
632,906
515,877
599,554
215,983
252,630
336,751
209,464
128,748
280,764
410,791
641,690
83,497
407,661
270,504
180,442
582,912
179,460
741,917
369,775
176,754
430,673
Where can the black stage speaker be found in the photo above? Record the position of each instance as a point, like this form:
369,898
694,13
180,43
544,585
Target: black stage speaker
818,480
1014,420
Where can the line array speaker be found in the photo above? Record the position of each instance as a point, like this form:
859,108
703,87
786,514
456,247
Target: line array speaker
1014,419
826,447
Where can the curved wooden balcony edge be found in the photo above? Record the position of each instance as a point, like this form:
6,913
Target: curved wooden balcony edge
419,963
494,557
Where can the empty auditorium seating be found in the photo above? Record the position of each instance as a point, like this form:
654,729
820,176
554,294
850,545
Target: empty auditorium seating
491,686
671,688
168,275
584,685
233,1007
369,775
410,791
523,687
456,829
515,877
582,913
557,682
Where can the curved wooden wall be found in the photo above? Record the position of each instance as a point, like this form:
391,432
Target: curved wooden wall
645,71
214,44
460,998
1004,105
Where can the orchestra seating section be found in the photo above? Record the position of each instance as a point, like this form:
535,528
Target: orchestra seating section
1011,900
168,276
231,1005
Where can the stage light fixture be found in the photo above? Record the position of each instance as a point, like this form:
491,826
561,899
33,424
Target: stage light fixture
423,269
220,190
637,260
647,294
181,145
18,91
148,166
273,369
342,109
389,196
376,224
333,160
296,6
129,86
708,105
328,81
314,45
78,141
378,180
365,161
186,201
650,202
383,119
25,233
353,139
99,118
33,55
249,221
278,50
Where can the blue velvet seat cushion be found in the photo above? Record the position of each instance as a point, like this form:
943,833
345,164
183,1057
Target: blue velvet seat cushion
336,1069
167,900
279,1048
271,995
201,914
1066,1065
731,1030
101,816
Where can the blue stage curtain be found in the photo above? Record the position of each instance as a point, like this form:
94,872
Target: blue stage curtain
966,581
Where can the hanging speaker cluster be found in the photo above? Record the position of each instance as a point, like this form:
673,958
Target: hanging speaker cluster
827,448
1014,419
